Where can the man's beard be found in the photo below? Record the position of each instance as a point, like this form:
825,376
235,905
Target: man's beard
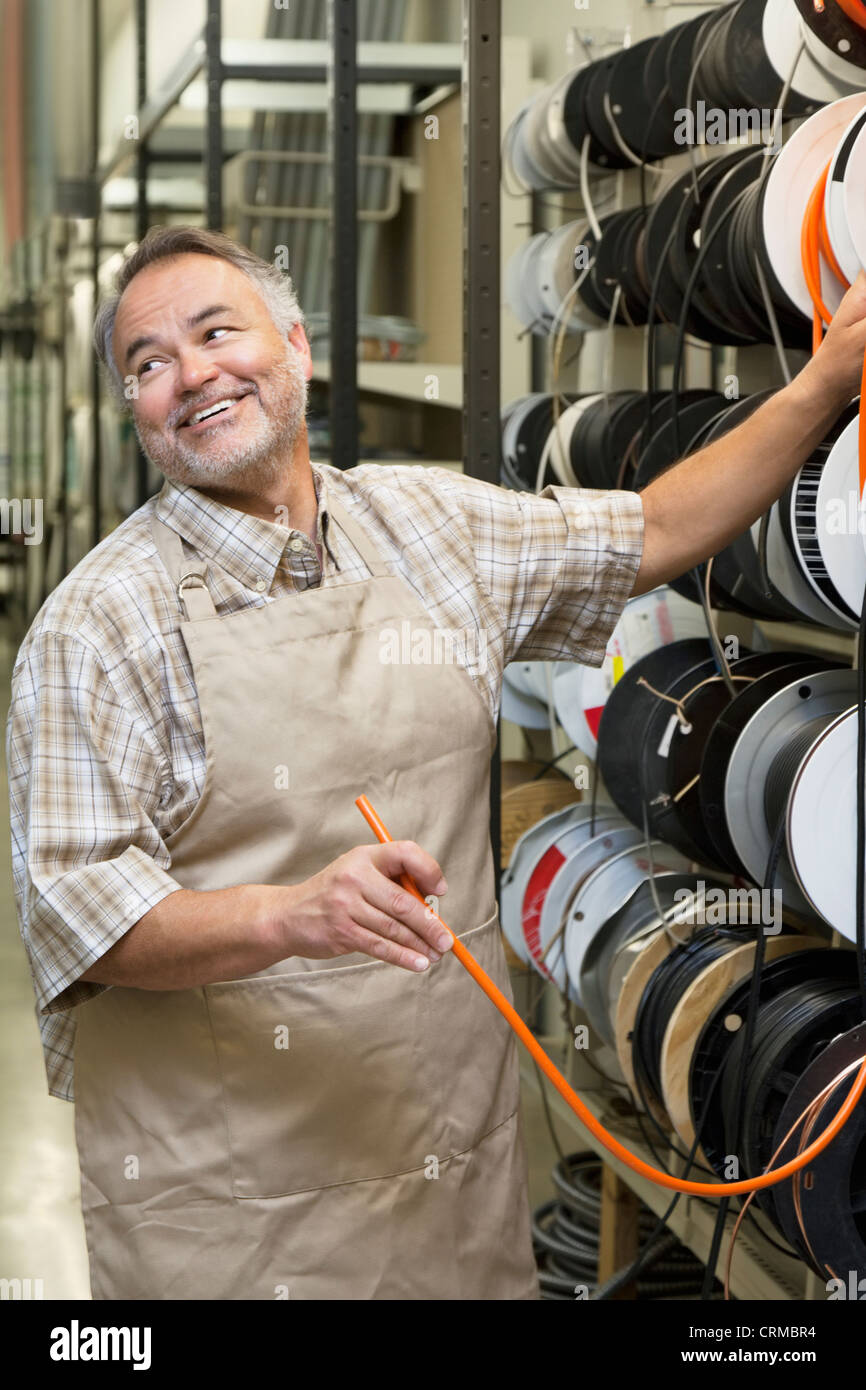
246,457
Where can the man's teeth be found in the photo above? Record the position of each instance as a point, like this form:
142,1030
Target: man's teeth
203,414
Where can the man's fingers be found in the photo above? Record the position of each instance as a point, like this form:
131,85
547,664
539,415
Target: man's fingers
380,924
392,900
404,856
391,951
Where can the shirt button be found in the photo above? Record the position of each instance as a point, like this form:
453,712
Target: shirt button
261,586
296,544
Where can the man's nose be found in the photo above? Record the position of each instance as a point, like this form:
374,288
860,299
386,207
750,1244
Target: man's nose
194,367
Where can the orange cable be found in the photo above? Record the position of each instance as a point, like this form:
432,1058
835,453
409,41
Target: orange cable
515,1022
854,9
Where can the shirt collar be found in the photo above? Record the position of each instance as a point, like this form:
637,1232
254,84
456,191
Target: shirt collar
247,547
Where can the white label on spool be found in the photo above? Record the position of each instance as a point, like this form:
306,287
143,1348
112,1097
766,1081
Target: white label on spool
665,746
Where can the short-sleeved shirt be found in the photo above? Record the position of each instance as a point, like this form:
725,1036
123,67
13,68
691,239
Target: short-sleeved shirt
105,751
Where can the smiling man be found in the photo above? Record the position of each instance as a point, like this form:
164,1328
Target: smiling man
265,1106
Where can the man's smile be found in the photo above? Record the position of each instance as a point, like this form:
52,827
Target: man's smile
223,409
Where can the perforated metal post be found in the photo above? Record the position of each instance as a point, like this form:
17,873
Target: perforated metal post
481,84
343,148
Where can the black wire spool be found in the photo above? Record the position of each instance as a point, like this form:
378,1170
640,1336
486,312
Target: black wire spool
785,667
602,434
632,728
749,77
835,31
791,1031
531,438
683,50
686,752
832,1190
574,116
615,265
697,408
736,570
610,156
716,1038
646,130
692,229
628,267
668,222
724,289
663,991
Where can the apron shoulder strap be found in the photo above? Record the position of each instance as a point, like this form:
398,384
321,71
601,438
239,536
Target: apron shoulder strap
187,574
359,538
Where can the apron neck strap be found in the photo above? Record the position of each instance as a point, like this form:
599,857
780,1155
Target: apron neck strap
188,575
358,537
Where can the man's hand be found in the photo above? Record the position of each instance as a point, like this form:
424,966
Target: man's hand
358,904
836,369
696,508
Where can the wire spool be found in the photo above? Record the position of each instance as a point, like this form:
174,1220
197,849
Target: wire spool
782,668
799,517
821,823
574,849
635,733
700,997
603,434
525,430
749,78
670,978
790,1031
608,836
556,270
642,958
613,260
837,45
723,1024
561,447
849,220
605,890
785,194
524,856
822,1212
686,750
637,917
696,410
781,40
760,749
736,571
648,622
607,443
596,94
839,521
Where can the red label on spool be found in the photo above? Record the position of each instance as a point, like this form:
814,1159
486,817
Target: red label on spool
533,901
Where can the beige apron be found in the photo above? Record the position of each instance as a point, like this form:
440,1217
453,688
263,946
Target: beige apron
322,1129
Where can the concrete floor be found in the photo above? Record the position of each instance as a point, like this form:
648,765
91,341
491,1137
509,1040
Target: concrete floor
41,1228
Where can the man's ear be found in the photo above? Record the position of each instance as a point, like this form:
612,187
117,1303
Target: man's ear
298,339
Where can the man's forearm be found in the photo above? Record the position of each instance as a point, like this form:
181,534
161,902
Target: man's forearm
190,939
699,506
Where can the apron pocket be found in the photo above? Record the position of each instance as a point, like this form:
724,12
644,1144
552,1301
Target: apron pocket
342,1075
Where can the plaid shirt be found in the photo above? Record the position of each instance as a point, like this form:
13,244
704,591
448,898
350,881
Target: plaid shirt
104,743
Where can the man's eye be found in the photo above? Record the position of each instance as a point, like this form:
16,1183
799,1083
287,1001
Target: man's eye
217,330
146,364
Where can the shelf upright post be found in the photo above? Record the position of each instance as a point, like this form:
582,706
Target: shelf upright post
95,391
142,211
481,96
213,150
343,168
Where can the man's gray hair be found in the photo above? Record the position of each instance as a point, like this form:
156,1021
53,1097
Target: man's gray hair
163,243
